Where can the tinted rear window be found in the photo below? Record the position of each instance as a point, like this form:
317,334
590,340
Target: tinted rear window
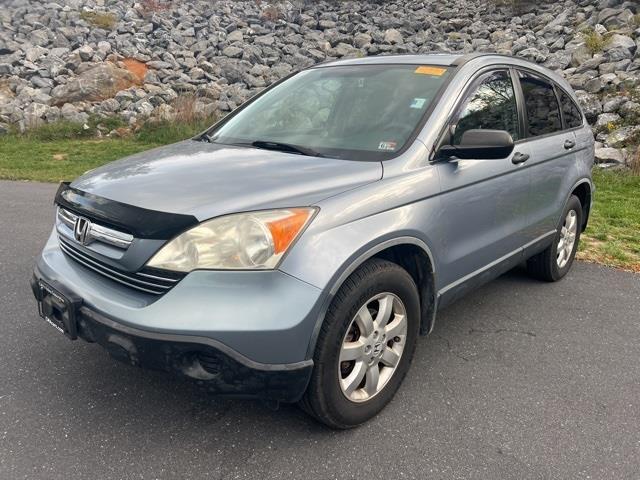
543,112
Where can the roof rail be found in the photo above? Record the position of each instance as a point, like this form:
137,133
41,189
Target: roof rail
472,56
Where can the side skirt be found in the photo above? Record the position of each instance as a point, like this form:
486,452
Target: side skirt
458,289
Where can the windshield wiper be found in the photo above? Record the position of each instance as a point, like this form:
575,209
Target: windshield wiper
267,145
285,147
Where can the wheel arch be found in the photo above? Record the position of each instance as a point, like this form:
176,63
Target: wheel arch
583,190
418,262
410,253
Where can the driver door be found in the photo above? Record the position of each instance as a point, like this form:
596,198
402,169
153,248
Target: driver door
484,202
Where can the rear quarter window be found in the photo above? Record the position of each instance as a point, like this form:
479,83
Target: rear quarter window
570,111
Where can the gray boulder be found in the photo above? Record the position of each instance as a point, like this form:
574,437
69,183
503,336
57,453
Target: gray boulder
613,104
608,155
580,55
72,114
607,122
97,83
235,36
619,47
232,52
623,136
34,114
590,104
86,53
393,36
630,111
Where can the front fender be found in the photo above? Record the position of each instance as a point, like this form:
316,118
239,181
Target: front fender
327,252
326,257
352,265
403,208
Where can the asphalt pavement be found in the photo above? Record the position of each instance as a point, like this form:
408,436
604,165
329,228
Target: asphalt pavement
519,380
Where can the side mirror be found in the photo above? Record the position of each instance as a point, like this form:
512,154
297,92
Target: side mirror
480,144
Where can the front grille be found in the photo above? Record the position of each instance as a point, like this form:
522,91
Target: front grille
155,282
94,232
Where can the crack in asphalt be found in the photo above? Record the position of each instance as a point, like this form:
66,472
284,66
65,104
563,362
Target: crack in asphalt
502,330
450,349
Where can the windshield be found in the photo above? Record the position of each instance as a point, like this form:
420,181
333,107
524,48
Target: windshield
362,112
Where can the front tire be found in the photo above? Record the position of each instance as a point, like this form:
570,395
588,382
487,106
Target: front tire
365,345
555,261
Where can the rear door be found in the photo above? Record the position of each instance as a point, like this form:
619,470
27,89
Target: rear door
484,202
551,146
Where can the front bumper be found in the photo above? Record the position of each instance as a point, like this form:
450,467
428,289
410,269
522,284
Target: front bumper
215,366
239,333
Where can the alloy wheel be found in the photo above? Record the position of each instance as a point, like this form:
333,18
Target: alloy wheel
372,347
567,239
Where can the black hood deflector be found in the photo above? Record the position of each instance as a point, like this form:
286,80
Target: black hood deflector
139,222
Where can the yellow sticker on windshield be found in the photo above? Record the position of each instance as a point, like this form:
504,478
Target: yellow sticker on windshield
431,71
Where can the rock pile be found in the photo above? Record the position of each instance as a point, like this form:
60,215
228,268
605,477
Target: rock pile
79,58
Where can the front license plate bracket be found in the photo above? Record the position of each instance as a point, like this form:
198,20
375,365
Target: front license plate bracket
58,310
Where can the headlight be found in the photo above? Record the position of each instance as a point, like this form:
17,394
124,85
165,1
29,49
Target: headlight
244,241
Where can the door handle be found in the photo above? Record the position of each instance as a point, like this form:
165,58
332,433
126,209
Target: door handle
519,158
569,144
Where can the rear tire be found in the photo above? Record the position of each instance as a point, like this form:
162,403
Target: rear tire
344,393
555,261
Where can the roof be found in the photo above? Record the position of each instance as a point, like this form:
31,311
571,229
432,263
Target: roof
451,60
443,59
440,59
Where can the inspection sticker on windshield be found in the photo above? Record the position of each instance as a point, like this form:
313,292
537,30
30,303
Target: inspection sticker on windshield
387,146
418,103
438,72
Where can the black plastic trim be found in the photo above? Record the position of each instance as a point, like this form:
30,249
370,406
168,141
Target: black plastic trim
140,222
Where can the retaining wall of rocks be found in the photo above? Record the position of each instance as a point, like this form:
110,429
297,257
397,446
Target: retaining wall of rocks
79,58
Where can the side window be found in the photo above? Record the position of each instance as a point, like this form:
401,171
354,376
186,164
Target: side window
543,112
571,112
491,105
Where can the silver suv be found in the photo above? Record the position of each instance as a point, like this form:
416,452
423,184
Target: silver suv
295,250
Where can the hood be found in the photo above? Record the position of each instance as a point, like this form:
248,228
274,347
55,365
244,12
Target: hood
207,180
